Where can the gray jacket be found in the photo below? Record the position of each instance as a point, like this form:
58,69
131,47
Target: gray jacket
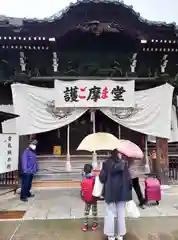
134,170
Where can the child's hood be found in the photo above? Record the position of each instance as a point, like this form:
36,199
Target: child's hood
90,175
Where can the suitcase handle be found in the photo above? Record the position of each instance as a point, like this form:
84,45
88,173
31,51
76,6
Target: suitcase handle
151,175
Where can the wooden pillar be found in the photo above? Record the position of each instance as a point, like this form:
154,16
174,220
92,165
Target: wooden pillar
119,131
147,164
162,162
93,119
68,163
23,144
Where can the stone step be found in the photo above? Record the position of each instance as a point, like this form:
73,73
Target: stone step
79,159
56,184
72,157
53,168
58,177
58,167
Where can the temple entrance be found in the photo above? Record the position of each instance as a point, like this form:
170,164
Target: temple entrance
47,140
84,126
58,137
53,167
80,129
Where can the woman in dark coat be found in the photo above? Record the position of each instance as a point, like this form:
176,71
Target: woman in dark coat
117,191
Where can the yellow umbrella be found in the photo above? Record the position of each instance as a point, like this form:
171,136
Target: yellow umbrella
99,141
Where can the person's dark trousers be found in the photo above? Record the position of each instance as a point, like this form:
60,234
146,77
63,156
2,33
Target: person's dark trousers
26,183
137,188
30,179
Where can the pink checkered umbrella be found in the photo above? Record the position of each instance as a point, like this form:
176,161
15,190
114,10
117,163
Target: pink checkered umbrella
129,149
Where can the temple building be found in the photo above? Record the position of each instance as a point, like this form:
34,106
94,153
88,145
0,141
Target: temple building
92,41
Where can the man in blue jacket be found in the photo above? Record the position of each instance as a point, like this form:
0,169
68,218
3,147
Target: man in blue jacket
28,169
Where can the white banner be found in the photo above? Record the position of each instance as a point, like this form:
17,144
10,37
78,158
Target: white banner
35,106
90,94
9,126
174,128
9,152
151,114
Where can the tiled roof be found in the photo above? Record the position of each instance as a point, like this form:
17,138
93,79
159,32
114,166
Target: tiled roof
61,13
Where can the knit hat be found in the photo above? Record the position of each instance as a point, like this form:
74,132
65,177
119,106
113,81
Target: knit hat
34,142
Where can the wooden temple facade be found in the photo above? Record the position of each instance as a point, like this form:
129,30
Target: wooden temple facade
88,40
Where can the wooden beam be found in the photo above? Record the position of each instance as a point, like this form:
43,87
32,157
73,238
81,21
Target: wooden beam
73,78
50,79
162,162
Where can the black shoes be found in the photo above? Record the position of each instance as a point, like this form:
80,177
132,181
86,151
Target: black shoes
31,195
142,206
24,199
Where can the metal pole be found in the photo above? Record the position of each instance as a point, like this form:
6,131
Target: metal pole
94,155
147,165
119,131
68,163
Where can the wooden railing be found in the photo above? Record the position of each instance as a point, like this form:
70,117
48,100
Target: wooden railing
9,180
173,159
173,168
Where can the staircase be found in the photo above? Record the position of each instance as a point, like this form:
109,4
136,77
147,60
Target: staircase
53,168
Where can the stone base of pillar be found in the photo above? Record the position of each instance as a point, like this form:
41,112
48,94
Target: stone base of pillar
68,166
94,160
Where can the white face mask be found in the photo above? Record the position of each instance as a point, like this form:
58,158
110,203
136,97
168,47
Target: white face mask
33,147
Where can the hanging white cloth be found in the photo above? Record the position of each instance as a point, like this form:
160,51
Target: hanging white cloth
174,128
35,106
152,112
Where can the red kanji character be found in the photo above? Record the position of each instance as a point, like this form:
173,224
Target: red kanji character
82,90
104,94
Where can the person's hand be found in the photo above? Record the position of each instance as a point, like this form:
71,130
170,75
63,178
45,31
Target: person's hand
96,172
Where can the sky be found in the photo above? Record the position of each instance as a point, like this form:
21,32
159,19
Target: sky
155,10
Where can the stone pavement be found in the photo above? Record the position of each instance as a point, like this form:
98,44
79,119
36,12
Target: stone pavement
66,204
155,228
57,214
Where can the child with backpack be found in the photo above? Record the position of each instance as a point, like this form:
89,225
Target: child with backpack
87,186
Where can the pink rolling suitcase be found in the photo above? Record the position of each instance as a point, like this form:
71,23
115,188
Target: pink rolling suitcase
152,190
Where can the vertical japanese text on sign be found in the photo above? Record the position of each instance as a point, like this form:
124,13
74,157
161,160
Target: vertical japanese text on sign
9,153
